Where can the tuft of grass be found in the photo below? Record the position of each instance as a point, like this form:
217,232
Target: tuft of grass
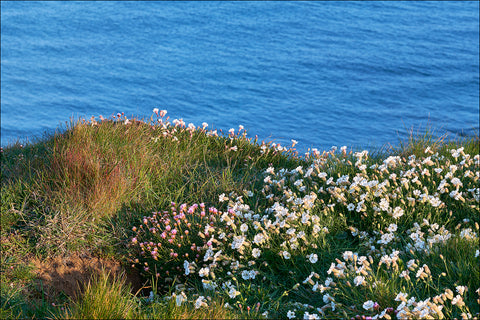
104,297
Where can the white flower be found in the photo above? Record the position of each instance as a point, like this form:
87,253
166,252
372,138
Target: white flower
402,296
468,234
359,280
386,238
200,302
368,305
259,238
209,285
313,257
420,272
461,289
455,194
256,252
392,227
186,266
456,182
309,316
238,242
457,300
243,227
434,201
180,298
384,204
204,272
328,281
222,197
155,110
290,314
397,212
233,293
351,207
326,298
347,255
286,254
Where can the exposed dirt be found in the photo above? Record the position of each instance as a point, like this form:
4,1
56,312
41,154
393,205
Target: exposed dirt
69,275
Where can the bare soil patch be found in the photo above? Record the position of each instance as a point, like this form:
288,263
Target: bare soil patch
69,275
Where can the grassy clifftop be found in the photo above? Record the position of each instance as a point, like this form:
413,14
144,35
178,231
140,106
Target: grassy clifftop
221,226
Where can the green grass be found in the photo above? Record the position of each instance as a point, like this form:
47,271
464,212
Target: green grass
102,189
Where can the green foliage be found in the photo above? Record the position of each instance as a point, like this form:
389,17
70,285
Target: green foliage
103,298
119,188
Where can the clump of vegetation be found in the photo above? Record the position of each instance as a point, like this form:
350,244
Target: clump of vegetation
222,226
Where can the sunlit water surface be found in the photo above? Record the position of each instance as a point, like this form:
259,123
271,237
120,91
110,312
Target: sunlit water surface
360,74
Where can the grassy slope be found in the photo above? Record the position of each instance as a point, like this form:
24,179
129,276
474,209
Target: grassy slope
84,191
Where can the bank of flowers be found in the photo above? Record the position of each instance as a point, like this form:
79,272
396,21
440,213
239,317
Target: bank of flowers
345,235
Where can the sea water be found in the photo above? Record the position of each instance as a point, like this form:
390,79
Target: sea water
360,74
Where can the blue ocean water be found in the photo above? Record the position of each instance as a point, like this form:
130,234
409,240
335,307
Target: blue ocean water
357,73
